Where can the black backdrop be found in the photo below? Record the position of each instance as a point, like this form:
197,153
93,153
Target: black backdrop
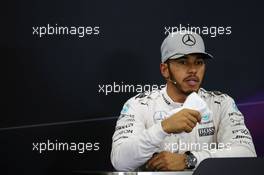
56,78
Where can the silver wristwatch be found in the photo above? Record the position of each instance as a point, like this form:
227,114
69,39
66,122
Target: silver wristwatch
191,160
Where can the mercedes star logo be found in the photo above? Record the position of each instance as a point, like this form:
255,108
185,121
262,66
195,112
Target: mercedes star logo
188,39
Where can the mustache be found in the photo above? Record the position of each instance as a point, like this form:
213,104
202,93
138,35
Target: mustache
192,78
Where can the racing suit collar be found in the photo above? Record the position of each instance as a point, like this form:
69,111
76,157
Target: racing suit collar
168,100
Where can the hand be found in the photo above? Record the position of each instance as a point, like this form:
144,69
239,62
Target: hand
167,161
183,121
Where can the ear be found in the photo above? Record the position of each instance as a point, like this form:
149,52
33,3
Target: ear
164,70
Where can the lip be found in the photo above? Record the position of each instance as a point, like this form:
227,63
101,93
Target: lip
192,81
193,78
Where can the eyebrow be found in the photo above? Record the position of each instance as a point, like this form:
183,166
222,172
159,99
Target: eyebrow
200,56
182,58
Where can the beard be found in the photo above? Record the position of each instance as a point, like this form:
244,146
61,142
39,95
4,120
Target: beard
187,92
179,87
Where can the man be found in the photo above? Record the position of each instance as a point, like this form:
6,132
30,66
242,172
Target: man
157,131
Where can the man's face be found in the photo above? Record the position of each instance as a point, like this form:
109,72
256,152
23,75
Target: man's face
188,72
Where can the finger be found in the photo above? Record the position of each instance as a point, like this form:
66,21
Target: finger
190,123
195,114
153,159
164,168
147,163
187,128
199,118
157,164
192,119
155,154
160,166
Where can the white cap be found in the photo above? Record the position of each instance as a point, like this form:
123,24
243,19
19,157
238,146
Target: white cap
178,44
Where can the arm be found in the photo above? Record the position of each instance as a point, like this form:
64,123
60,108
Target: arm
133,144
232,133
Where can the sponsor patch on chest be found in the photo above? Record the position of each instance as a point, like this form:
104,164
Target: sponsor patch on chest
206,131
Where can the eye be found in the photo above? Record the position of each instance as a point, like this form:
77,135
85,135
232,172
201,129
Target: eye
183,62
200,62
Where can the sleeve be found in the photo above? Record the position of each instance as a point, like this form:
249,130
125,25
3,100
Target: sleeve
233,137
132,143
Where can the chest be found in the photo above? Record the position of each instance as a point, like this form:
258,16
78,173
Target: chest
203,134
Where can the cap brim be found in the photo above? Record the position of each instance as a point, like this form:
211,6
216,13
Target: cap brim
179,55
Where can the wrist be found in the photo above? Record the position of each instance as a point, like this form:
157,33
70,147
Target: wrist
165,126
184,160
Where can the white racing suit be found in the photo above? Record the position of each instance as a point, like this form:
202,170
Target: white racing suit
138,133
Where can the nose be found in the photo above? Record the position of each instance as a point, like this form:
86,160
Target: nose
192,69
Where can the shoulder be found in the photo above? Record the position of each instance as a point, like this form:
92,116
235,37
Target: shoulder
215,96
143,99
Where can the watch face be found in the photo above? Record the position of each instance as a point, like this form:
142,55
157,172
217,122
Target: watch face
191,161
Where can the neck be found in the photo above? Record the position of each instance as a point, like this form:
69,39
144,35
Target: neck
175,94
